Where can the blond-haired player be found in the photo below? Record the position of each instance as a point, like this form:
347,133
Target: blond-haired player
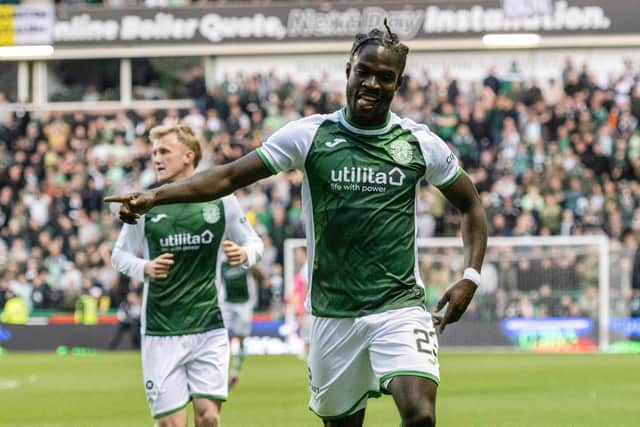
174,249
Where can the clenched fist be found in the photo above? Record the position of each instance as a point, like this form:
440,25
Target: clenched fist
235,254
159,268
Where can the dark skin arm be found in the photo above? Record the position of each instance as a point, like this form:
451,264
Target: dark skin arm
207,185
220,181
463,195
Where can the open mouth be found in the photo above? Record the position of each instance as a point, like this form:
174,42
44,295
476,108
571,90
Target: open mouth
365,100
368,98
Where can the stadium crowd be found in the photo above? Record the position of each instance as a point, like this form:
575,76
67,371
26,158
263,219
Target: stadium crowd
560,157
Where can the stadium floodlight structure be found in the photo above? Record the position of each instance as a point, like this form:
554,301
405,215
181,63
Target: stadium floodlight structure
585,250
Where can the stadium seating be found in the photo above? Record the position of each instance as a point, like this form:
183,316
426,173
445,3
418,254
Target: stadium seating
548,158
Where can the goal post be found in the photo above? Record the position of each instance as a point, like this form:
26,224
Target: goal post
539,285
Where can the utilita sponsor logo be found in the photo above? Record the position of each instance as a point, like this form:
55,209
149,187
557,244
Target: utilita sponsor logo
187,239
358,175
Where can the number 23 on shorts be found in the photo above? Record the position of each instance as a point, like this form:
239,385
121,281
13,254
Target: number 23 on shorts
426,342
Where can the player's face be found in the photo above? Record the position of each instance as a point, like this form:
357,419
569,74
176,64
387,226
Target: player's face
372,79
171,159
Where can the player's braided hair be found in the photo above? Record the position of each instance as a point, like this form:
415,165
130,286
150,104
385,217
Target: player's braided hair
388,40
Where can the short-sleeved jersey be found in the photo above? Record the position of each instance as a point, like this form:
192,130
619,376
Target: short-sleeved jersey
359,200
186,302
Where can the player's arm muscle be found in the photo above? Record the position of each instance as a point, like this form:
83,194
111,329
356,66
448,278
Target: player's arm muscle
463,195
214,183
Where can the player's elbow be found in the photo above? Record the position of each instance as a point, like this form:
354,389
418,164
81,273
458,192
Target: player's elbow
118,261
115,259
472,206
259,251
477,209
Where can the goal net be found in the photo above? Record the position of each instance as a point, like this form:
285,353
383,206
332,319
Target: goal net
555,293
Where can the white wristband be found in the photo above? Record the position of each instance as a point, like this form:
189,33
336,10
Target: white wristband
472,274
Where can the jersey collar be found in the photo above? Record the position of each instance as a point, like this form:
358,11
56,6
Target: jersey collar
375,130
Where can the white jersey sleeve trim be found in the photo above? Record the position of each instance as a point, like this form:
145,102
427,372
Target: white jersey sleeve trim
442,166
128,255
239,230
307,207
287,148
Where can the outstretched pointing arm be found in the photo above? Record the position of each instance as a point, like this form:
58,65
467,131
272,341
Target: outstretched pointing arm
210,184
214,183
285,150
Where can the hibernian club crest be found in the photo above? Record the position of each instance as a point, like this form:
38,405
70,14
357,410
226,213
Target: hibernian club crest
211,213
400,151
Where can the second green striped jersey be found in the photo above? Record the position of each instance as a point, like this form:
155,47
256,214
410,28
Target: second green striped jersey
186,302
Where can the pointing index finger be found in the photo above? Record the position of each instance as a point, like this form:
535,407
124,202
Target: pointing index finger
117,199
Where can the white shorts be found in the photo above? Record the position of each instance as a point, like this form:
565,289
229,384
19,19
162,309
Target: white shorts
178,368
304,325
353,359
238,317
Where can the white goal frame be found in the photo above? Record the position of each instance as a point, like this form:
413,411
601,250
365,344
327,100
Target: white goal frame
601,241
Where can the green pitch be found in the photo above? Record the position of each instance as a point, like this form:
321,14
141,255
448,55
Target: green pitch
478,389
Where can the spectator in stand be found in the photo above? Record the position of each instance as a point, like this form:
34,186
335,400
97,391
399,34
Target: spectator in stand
42,296
16,311
559,156
197,88
128,321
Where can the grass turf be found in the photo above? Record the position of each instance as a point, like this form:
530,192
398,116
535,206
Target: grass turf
477,389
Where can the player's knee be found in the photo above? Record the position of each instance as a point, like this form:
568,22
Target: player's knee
419,418
169,422
209,418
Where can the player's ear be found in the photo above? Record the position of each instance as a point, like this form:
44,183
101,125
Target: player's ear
399,81
348,69
190,156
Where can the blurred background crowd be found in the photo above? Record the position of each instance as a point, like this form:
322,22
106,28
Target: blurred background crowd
556,157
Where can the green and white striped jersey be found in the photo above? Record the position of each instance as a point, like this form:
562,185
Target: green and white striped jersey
236,284
186,302
359,200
